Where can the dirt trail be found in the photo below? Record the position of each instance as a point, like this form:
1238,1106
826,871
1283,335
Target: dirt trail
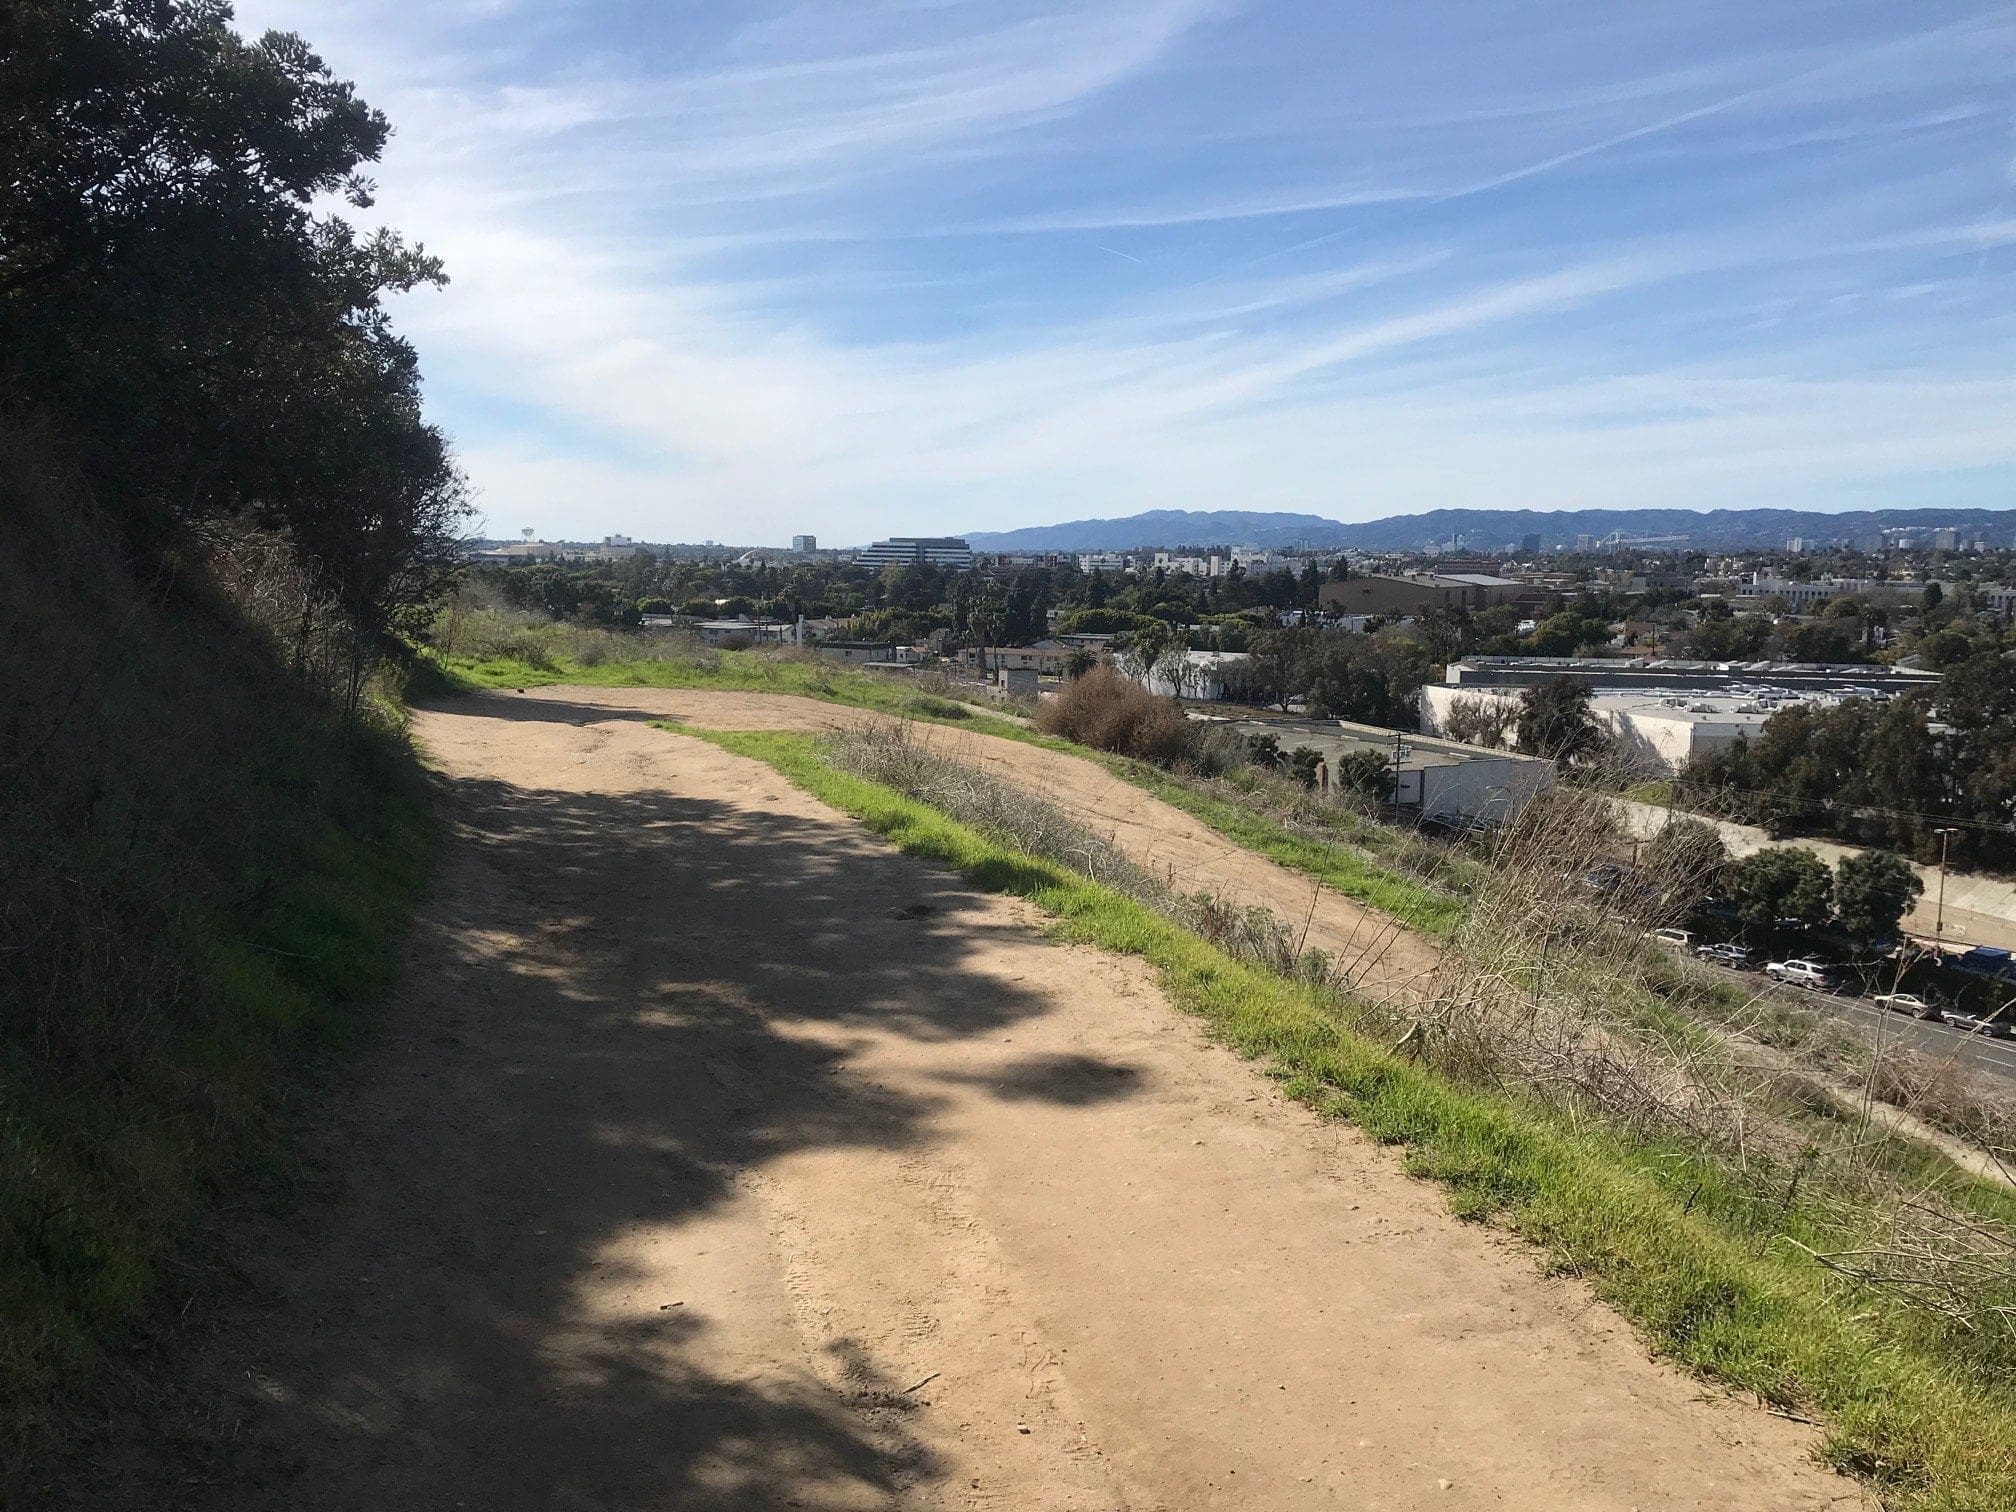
718,1157
1382,957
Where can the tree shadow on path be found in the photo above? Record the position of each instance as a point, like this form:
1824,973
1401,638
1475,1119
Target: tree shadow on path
620,1009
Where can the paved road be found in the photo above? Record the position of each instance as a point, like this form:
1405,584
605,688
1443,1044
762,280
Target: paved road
1997,1057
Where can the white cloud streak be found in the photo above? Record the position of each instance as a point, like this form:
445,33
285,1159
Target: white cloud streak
758,286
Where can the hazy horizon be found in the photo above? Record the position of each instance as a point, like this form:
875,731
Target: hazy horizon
912,268
1527,520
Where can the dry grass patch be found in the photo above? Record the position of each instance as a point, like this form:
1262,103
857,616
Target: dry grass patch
1109,712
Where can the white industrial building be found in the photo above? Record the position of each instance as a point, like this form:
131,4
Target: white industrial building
1807,594
1204,677
1661,712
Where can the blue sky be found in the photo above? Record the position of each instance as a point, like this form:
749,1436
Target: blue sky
738,271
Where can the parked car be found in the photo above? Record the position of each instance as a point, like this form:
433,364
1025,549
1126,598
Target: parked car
1736,957
1798,972
1907,1002
1680,937
1975,1023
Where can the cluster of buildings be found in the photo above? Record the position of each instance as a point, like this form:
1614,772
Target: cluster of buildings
529,548
1758,590
1661,712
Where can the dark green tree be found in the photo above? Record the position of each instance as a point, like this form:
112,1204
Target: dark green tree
1557,720
1278,670
1369,679
1872,893
178,311
1685,860
1779,882
1363,772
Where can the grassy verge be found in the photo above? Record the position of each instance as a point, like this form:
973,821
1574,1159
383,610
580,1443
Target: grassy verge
1662,1232
1337,864
113,1165
206,880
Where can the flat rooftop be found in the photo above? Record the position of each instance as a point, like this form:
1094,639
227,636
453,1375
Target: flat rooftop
1674,673
1747,705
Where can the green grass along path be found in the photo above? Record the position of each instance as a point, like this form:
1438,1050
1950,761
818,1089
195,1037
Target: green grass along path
1659,1231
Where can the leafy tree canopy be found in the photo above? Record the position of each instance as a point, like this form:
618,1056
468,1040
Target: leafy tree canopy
1556,720
1780,882
177,314
1872,893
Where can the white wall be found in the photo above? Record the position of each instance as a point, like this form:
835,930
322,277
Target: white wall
1656,742
1482,789
1980,910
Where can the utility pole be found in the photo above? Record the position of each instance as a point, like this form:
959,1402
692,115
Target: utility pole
1939,911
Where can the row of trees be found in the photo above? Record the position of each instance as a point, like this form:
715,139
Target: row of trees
1891,773
909,602
1371,678
1865,895
184,328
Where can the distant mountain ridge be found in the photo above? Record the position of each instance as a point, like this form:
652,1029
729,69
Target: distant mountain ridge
1484,529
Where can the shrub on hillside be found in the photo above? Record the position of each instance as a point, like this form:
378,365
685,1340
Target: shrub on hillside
1217,750
1104,710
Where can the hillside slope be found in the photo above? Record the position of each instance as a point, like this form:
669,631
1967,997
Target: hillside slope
203,875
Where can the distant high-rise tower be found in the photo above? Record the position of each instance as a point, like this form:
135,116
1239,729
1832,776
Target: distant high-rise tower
804,543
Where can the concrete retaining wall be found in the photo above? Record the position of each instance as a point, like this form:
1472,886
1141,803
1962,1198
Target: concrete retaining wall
1979,910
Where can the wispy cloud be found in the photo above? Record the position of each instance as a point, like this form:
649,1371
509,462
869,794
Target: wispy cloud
928,264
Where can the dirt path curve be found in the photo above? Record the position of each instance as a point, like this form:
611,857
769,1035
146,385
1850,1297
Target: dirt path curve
718,1157
1382,957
